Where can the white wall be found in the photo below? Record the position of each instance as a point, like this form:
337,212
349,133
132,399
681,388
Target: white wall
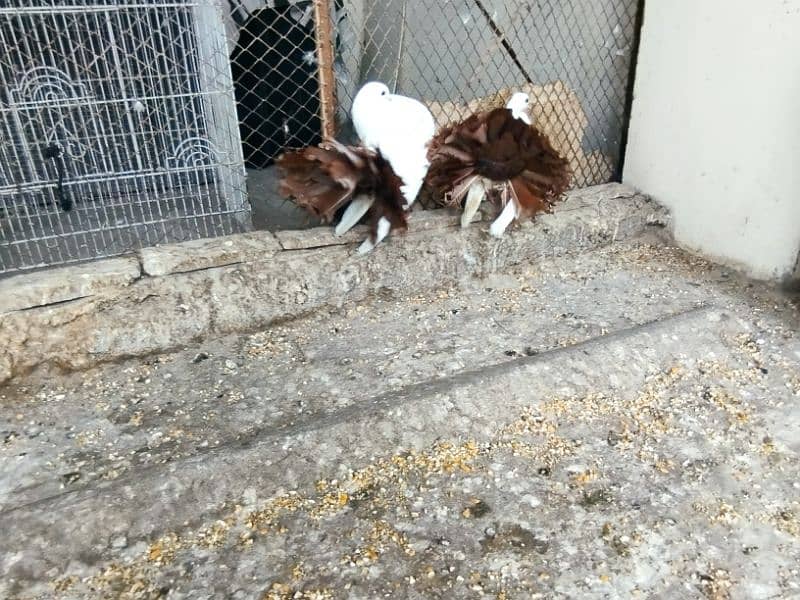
715,130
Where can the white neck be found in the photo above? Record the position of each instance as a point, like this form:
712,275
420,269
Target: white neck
521,115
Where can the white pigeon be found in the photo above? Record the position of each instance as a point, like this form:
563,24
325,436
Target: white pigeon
367,120
400,128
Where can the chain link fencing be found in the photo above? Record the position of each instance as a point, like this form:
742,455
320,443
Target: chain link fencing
574,57
144,115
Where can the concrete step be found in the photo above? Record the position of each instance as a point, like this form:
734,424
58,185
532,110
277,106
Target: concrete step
600,424
166,297
72,431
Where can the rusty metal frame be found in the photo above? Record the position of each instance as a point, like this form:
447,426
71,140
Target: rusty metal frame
327,84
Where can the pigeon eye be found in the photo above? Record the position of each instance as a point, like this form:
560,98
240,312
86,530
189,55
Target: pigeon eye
383,93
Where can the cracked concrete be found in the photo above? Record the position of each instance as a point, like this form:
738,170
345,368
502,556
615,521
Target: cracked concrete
608,424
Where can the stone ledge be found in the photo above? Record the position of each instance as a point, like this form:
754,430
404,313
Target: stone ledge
206,254
245,282
318,237
62,284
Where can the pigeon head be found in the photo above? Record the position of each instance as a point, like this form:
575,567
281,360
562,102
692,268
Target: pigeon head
367,112
374,91
519,104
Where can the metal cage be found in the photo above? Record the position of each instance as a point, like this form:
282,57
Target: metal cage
118,128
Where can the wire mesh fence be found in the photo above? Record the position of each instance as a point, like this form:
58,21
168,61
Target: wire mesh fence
117,129
573,56
126,123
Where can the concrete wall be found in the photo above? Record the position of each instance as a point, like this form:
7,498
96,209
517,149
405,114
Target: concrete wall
715,131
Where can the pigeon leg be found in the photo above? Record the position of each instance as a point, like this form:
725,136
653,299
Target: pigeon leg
476,194
500,224
383,230
352,214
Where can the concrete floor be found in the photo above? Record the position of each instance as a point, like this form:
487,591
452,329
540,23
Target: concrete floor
615,424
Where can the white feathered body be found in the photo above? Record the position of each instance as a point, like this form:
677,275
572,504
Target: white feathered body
400,128
368,120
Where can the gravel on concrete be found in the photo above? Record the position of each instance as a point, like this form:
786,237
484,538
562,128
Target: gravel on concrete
615,424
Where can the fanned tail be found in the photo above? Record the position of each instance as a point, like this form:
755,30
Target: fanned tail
504,150
453,157
545,177
389,199
324,179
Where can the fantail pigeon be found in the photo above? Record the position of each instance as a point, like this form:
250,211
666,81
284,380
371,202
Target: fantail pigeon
382,178
501,156
400,128
322,179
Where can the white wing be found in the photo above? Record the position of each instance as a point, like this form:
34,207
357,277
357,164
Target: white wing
410,162
368,124
411,118
400,127
403,141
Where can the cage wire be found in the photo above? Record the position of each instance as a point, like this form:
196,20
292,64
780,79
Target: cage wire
117,129
143,115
